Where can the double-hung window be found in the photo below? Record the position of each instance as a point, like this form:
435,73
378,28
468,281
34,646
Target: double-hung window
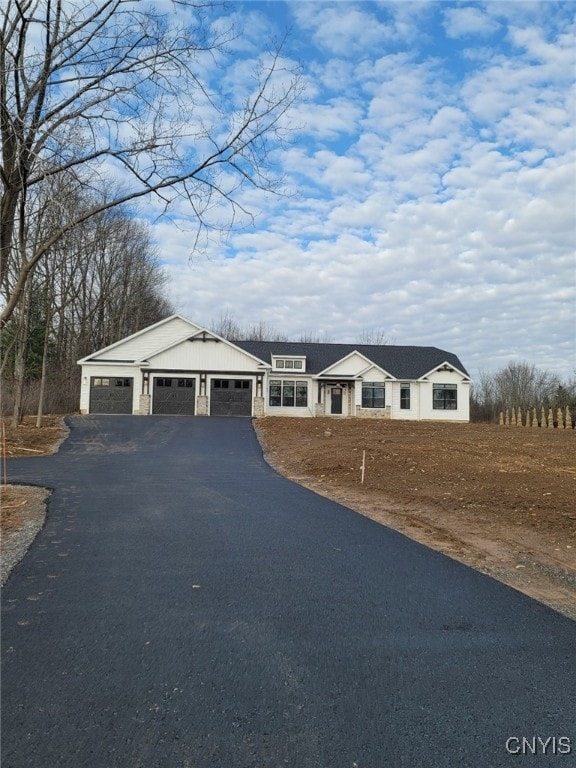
444,397
373,394
288,394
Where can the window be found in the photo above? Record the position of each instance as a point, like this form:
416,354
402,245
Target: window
186,383
444,397
275,393
288,394
231,383
373,394
405,397
163,382
101,382
123,382
292,363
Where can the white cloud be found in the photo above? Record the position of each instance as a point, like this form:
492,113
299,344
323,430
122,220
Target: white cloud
343,28
470,20
433,197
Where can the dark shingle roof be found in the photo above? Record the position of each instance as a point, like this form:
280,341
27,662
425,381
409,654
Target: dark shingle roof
400,362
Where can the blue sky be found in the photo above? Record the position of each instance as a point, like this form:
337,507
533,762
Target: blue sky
432,184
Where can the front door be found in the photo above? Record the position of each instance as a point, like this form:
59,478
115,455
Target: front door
336,400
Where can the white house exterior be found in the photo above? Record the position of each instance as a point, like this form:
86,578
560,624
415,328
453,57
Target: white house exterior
178,367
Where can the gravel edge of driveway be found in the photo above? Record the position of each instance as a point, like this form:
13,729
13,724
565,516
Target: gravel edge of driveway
16,543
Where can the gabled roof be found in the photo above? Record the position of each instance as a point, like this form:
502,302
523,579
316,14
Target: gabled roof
128,349
201,335
333,367
404,363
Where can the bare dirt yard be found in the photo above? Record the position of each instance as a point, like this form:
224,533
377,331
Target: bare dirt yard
500,499
23,508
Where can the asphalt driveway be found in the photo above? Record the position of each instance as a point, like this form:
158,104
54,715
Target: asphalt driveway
186,607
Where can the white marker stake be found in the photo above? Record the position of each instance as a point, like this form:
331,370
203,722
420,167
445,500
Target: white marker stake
363,467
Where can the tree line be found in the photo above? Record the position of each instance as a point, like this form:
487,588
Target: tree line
98,283
518,385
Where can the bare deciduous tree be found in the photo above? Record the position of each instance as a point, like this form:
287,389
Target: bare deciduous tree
517,385
227,327
126,91
99,282
374,336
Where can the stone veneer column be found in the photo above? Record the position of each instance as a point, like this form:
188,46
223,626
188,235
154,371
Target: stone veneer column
143,406
319,409
259,407
202,405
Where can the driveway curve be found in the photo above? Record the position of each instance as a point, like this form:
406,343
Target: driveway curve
187,607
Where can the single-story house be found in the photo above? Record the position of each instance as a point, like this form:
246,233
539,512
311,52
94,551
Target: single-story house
178,367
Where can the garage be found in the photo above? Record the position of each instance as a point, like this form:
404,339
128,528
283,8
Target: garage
175,396
231,397
109,394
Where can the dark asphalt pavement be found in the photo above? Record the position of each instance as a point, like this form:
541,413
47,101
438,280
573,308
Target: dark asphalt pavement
186,607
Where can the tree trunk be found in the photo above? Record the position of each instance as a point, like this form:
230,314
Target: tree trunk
40,412
20,362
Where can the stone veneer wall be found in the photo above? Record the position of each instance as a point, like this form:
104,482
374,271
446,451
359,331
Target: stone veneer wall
373,413
319,409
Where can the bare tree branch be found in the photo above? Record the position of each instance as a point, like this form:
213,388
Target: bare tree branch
123,96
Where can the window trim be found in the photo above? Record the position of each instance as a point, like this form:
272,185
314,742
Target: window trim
220,383
405,400
290,363
371,386
281,399
441,400
112,382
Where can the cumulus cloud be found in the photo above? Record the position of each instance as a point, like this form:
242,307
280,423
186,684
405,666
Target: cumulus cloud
470,20
432,192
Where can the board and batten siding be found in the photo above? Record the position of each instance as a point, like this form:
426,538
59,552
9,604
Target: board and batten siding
427,412
281,410
146,343
208,355
376,375
408,414
350,366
